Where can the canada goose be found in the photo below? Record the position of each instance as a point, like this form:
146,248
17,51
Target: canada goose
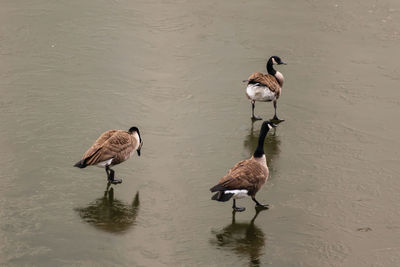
247,176
265,87
112,148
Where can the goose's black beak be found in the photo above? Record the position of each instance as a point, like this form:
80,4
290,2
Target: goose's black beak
282,63
273,125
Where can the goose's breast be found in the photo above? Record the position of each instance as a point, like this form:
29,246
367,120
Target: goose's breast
260,93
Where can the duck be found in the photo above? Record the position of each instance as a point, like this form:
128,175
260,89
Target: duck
112,148
246,177
265,87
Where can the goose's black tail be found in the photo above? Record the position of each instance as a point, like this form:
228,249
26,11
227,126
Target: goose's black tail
222,196
81,164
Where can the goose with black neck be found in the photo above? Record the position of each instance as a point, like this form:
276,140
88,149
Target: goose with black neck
111,148
246,177
266,87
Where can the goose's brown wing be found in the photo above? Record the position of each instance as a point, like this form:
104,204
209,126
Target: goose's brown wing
265,79
120,146
117,146
246,174
98,143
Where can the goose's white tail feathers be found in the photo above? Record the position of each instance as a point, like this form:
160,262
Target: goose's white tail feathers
237,193
259,92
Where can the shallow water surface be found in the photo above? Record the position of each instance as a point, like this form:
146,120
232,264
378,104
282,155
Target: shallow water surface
70,70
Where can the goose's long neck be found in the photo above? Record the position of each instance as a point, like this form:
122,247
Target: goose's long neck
278,76
260,147
270,67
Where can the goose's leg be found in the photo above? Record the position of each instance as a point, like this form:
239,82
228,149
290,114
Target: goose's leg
108,187
111,173
108,180
114,180
254,117
276,120
237,208
233,216
108,172
266,206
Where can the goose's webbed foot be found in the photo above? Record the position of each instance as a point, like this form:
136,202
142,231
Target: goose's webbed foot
259,205
110,176
276,120
116,181
256,118
237,208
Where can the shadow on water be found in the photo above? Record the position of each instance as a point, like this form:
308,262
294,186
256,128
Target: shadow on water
271,146
244,239
110,214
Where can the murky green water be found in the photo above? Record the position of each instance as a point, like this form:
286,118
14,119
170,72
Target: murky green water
70,70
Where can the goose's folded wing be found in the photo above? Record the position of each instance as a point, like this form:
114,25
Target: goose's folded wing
245,174
98,143
266,80
120,146
117,146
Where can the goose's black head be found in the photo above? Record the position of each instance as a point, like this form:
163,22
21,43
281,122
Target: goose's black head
133,130
275,60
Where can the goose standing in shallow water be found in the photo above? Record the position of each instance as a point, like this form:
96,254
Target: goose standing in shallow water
247,176
265,87
111,148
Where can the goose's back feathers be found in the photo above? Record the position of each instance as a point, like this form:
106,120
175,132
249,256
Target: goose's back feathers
267,80
117,145
246,174
98,143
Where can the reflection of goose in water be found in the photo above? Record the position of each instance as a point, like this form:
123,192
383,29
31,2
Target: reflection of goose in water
271,148
244,239
109,214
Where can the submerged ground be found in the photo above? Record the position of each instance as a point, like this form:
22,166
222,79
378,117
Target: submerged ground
70,70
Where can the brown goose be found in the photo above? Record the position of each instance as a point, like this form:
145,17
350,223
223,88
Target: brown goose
246,177
112,148
265,87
